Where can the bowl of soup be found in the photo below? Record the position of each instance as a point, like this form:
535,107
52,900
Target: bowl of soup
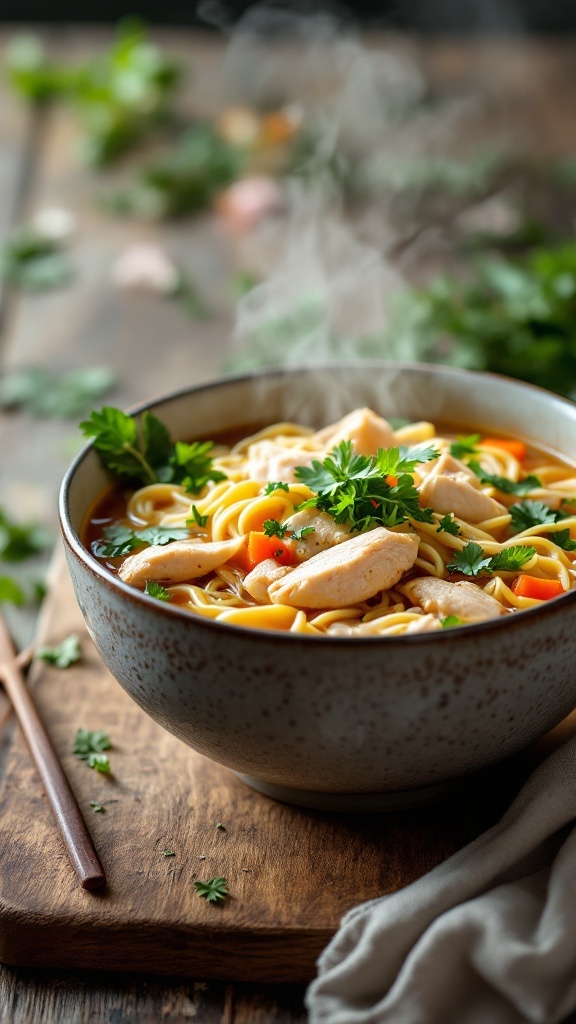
353,585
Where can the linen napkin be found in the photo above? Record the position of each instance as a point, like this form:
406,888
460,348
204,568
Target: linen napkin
487,937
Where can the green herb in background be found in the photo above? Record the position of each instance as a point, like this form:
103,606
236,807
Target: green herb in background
97,808
214,890
118,96
185,180
63,395
64,654
31,260
19,541
89,747
11,592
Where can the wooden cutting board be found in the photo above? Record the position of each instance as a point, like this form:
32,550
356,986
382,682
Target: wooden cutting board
291,873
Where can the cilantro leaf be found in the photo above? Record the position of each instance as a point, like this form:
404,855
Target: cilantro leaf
88,747
526,514
156,590
193,465
449,525
115,435
449,621
563,539
120,540
502,483
20,540
277,486
471,560
196,518
272,528
464,446
304,531
64,654
356,489
214,890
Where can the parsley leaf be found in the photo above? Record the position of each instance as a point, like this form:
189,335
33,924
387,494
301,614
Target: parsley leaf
502,483
97,808
272,528
193,465
304,531
20,540
449,621
449,525
169,853
214,890
465,446
120,540
51,394
472,560
156,590
354,488
32,260
277,486
88,747
563,539
526,514
196,518
64,654
11,591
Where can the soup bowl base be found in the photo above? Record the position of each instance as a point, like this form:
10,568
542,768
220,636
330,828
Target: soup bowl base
358,803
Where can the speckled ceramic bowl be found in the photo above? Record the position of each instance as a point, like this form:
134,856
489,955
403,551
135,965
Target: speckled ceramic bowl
338,723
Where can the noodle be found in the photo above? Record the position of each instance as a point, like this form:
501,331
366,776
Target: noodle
239,507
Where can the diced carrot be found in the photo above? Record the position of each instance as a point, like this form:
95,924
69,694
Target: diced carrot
537,589
391,481
261,547
515,448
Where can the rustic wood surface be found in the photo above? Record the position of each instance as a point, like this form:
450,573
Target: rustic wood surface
530,86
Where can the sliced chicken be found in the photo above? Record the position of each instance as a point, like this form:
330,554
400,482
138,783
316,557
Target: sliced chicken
466,600
452,494
367,431
270,461
326,533
447,465
349,572
259,579
181,560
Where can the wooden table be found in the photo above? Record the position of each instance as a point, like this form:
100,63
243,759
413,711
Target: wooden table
154,347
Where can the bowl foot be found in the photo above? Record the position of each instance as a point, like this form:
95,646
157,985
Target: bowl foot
357,803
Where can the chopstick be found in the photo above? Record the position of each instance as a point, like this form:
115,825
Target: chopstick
66,810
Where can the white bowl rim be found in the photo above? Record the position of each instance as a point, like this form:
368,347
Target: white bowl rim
274,635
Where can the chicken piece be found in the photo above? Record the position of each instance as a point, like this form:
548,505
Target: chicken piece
259,579
452,494
326,534
349,572
466,600
181,560
270,461
447,465
367,431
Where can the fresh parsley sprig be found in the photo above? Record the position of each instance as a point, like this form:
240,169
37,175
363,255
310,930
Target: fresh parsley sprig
276,486
526,514
214,890
360,489
465,446
154,589
142,451
120,540
449,525
89,747
503,483
473,560
64,654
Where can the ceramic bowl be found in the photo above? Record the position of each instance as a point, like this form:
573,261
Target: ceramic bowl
337,723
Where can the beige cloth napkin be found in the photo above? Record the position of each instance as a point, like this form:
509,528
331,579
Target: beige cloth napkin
487,937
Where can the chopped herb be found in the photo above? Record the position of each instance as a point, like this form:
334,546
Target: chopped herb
196,518
220,826
19,541
47,393
563,539
397,422
214,890
65,654
502,483
97,808
32,260
11,591
304,531
472,560
465,446
526,514
449,525
120,540
277,486
88,747
449,621
156,590
169,853
193,465
354,488
272,528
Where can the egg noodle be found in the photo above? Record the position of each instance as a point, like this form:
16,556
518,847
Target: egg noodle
238,505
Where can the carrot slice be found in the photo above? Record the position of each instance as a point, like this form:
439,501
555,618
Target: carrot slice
515,448
261,547
537,589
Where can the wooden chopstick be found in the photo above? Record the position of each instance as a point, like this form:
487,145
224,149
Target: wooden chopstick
66,810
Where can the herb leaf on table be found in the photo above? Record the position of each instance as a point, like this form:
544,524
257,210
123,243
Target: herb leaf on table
64,655
214,890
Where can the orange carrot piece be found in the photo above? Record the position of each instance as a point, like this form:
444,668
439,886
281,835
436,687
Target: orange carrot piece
261,547
515,448
537,589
